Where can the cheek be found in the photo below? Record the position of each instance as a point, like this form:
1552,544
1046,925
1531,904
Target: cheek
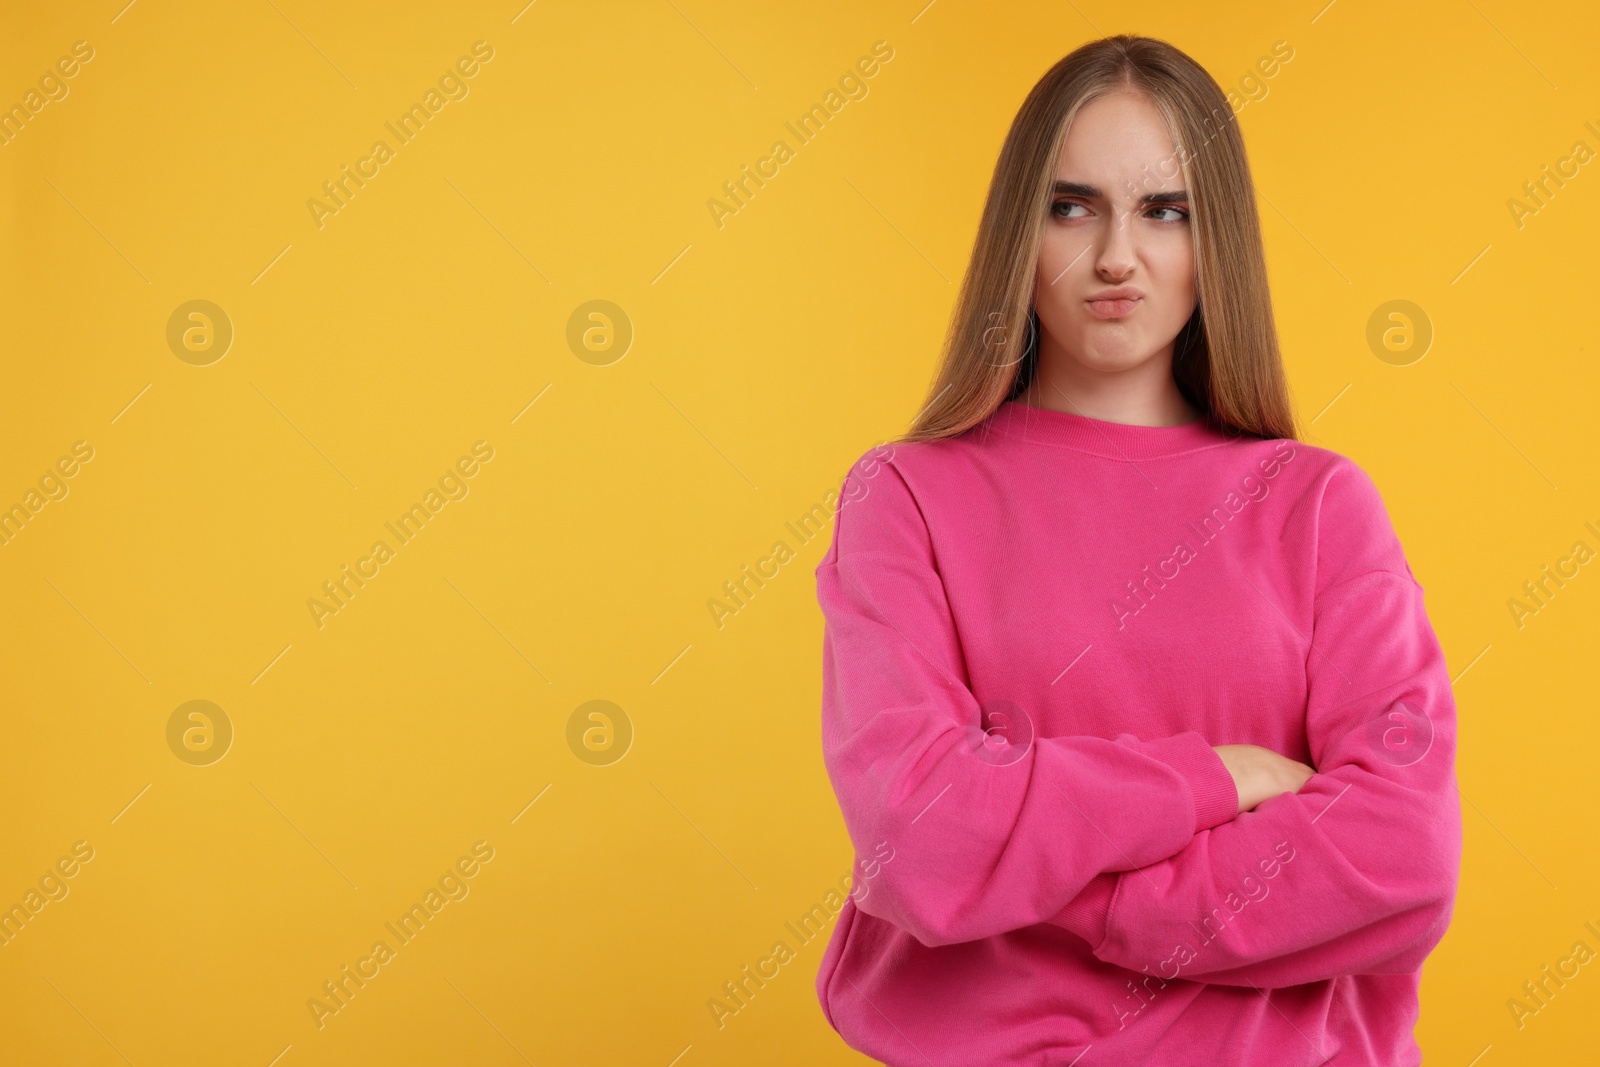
1060,247
1059,321
1051,288
1172,272
1061,262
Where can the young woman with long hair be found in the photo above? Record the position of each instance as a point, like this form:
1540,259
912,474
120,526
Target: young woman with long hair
1139,728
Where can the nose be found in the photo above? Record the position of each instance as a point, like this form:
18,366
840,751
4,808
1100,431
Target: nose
1115,259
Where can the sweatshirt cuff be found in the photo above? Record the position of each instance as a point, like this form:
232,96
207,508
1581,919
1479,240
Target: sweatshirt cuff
1088,913
1216,798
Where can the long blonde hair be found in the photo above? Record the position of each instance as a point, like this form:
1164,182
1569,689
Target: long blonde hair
1226,361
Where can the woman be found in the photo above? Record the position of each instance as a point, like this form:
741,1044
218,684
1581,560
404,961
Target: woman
1130,700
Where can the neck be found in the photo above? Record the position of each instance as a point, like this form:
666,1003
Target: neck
1143,395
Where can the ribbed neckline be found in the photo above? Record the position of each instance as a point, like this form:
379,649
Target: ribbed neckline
1113,440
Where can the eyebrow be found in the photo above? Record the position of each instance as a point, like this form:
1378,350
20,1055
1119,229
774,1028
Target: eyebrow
1093,192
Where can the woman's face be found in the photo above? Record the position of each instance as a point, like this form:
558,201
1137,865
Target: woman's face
1109,227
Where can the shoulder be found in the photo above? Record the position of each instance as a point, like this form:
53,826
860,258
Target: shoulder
876,508
883,498
928,468
1347,518
923,470
908,461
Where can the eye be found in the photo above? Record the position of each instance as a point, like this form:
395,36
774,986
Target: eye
1182,214
1056,208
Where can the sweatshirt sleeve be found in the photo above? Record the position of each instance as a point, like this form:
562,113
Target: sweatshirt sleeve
991,831
1356,872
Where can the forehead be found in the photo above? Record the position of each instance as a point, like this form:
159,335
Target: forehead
1119,143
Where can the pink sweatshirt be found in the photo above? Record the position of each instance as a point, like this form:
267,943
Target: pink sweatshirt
1034,633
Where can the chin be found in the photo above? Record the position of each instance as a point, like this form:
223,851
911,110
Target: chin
1104,357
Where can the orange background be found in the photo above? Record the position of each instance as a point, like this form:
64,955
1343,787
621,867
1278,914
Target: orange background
629,481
